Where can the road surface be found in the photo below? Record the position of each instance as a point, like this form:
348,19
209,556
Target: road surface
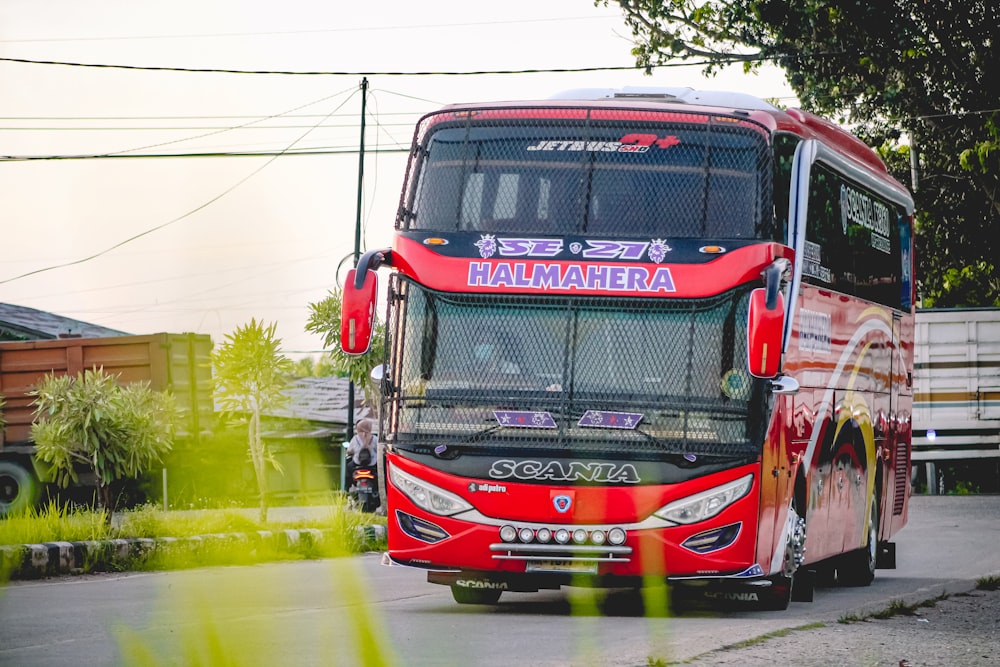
359,611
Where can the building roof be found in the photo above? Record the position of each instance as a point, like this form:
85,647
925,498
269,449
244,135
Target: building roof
321,401
23,323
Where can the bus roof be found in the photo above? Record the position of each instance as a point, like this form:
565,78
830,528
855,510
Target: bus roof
707,98
796,121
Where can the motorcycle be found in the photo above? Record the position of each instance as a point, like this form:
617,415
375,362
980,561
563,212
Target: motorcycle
364,487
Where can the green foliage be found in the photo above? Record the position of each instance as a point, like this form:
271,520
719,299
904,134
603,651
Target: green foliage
54,523
325,320
316,367
347,633
213,471
921,70
196,538
897,608
89,421
250,377
977,285
963,488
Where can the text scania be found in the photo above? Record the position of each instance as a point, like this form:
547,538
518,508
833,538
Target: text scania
859,208
557,471
595,277
482,583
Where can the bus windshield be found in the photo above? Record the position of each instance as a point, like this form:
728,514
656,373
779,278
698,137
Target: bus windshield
629,375
707,178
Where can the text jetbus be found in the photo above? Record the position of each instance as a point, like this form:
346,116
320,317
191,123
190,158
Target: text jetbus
643,336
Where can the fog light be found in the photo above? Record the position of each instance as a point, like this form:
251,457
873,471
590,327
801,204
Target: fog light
580,536
597,537
508,533
544,535
425,531
562,536
616,536
526,535
713,540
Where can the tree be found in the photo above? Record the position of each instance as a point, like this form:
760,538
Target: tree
313,367
324,320
89,421
899,72
250,378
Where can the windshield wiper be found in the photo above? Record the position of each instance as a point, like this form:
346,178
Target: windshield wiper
477,436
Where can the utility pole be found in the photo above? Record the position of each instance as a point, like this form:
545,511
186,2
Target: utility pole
357,237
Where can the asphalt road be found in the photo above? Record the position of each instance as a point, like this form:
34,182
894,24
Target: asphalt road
358,611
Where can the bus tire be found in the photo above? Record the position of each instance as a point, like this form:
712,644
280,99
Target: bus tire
803,585
826,573
858,567
795,545
465,595
776,596
19,489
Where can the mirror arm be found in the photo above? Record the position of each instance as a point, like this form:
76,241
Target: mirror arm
772,281
371,260
785,385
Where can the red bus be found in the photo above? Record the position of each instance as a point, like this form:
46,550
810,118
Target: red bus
646,335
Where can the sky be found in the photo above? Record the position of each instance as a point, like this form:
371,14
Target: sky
103,222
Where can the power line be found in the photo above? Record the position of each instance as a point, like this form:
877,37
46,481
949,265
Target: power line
280,33
207,154
252,123
179,128
219,70
179,218
208,117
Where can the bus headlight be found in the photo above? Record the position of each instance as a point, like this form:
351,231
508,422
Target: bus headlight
427,496
706,504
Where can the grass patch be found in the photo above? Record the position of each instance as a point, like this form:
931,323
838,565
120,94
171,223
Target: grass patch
895,608
161,539
784,632
991,583
753,641
54,523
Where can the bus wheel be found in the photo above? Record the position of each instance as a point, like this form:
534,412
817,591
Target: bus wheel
465,595
858,567
776,596
18,488
795,544
826,574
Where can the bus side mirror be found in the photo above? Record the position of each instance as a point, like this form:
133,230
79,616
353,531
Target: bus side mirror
765,329
357,313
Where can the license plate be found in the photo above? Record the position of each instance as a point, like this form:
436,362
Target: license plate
575,567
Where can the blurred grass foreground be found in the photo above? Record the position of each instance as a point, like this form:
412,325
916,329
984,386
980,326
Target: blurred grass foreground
149,538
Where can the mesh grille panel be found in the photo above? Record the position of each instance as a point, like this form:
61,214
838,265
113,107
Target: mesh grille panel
565,172
462,363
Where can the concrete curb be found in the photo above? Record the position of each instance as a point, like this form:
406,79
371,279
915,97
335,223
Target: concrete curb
34,561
